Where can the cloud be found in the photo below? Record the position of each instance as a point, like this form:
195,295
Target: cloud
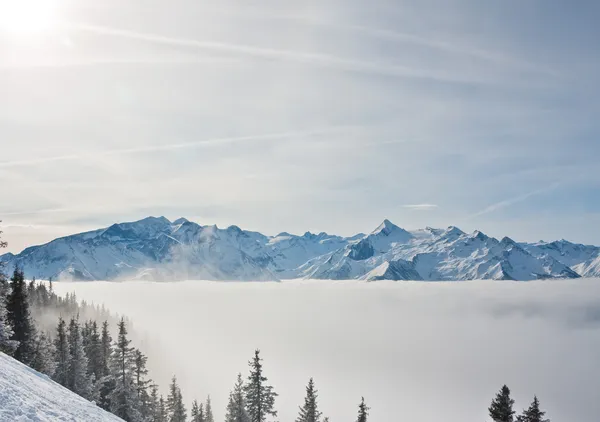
511,201
420,207
176,146
318,59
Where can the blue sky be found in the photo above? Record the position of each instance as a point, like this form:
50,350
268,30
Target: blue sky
315,115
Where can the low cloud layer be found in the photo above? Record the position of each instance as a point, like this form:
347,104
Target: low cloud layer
416,351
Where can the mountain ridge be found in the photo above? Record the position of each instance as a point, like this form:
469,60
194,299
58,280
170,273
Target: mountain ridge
155,248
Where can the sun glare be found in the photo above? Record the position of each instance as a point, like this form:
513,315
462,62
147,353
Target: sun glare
27,16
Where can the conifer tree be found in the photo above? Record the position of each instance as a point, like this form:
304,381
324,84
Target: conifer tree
106,381
501,409
123,398
19,318
326,419
61,372
533,414
78,380
194,413
208,414
161,414
141,383
260,397
309,412
45,359
363,411
93,351
175,408
7,345
236,407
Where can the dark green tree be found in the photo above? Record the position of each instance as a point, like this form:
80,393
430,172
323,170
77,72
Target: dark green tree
260,397
236,407
309,412
19,318
533,414
501,409
61,345
363,411
175,408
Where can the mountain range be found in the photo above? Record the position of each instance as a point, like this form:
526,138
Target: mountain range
158,249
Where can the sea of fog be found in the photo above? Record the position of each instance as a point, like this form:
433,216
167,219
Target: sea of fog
416,351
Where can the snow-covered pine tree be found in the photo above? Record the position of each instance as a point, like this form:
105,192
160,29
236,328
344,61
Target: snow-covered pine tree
260,397
61,345
93,351
534,413
175,408
309,412
78,380
153,403
45,359
363,411
208,413
194,411
123,398
196,414
236,407
107,383
7,345
326,419
19,318
501,409
161,414
141,383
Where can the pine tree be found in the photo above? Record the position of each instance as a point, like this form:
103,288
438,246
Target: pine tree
141,383
195,411
45,359
363,411
326,419
123,398
236,407
78,380
19,318
175,409
61,371
161,414
208,414
105,381
260,397
309,412
7,345
501,409
533,414
93,351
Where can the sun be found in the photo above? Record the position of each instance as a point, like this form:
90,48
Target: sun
27,16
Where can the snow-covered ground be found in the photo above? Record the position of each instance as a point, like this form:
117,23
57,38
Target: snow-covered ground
27,395
417,351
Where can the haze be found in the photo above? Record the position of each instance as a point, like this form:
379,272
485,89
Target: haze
417,351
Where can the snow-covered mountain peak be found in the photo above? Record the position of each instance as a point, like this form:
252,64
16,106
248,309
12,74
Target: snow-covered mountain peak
180,221
386,228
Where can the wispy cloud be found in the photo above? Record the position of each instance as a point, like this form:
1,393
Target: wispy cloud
319,59
92,62
176,146
511,201
32,212
420,207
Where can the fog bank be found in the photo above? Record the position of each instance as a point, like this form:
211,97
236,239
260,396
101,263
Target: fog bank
417,351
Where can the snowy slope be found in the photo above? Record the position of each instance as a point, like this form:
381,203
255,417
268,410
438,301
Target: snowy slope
27,395
158,249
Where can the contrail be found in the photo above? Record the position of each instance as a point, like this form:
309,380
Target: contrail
278,54
514,200
169,147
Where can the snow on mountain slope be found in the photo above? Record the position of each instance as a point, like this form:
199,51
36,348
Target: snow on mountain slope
570,254
157,249
27,395
433,255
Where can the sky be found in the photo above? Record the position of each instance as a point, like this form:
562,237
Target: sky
416,351
292,116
